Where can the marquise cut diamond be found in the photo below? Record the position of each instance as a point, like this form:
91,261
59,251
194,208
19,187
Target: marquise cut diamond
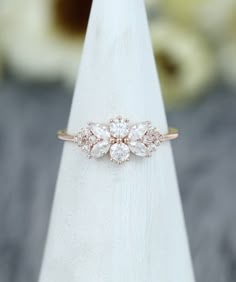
138,130
100,130
100,149
139,149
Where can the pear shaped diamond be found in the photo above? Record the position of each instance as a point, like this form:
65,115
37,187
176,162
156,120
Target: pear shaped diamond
101,131
138,130
100,149
139,149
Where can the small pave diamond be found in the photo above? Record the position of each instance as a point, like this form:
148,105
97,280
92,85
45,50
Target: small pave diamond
82,137
119,153
152,139
86,148
93,139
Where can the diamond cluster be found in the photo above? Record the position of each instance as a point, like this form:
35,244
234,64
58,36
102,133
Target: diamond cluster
119,139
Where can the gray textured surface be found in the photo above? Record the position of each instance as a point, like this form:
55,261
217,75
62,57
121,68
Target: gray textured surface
29,158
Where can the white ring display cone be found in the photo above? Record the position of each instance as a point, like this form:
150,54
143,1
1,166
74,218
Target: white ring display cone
114,223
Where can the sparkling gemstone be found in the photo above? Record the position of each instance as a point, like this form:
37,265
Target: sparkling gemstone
86,148
82,136
119,128
80,141
100,130
138,148
138,130
157,142
100,149
148,139
119,152
92,139
152,147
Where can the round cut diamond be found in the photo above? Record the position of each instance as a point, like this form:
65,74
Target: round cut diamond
119,152
119,128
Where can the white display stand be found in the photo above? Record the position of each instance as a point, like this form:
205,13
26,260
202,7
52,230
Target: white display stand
114,223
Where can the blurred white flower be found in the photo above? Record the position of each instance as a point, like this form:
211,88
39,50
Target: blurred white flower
185,11
152,7
227,60
214,17
185,62
222,29
2,10
1,62
218,19
43,39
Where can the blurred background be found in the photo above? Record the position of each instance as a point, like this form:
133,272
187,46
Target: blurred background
194,43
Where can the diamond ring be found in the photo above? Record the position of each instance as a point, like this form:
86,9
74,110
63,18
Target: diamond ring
119,139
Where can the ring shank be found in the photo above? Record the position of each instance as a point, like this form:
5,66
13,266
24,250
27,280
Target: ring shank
64,136
171,135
